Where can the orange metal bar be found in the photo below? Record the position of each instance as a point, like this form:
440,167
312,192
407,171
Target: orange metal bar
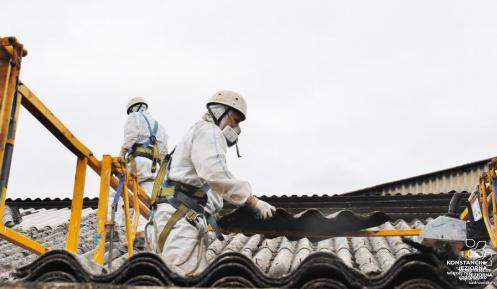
484,204
136,215
492,194
364,233
52,123
464,214
9,149
57,128
77,205
114,183
21,240
102,207
11,53
8,45
8,78
129,230
388,233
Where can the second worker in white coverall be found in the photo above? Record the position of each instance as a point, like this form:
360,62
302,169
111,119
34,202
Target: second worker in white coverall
198,173
144,146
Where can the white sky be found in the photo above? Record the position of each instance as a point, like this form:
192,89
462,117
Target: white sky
342,94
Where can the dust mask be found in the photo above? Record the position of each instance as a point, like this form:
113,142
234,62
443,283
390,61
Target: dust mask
231,135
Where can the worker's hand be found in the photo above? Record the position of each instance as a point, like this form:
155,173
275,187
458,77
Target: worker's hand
122,155
263,209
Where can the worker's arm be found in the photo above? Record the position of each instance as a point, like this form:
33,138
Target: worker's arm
209,159
131,131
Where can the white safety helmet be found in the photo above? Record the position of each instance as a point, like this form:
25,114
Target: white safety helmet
134,101
230,99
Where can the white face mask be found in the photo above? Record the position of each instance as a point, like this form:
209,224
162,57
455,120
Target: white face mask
231,134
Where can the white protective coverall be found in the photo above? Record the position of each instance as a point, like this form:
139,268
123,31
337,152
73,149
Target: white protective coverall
200,157
136,131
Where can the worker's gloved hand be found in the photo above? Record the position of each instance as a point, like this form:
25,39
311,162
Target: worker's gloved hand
122,155
263,209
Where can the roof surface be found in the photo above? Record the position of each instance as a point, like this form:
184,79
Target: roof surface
376,262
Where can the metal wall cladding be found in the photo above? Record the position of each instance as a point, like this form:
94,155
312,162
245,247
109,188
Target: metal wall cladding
460,178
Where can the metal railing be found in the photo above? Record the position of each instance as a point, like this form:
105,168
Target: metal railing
14,94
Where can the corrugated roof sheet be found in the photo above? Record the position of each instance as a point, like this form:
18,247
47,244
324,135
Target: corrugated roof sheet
264,259
320,270
50,228
47,203
310,223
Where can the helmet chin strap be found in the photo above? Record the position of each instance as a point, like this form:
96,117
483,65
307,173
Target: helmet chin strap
237,150
216,119
220,124
212,115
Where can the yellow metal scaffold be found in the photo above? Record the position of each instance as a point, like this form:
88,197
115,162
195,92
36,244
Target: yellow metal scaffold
13,95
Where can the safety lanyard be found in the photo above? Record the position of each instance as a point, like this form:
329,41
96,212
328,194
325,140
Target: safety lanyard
151,131
119,190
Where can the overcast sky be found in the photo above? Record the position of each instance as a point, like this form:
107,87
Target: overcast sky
341,95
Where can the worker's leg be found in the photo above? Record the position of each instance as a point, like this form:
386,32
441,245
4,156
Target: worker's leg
183,251
146,181
119,215
143,166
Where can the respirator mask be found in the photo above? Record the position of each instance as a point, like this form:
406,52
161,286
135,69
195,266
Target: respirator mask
231,134
220,115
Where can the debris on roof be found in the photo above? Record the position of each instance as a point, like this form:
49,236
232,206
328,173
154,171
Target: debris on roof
8,217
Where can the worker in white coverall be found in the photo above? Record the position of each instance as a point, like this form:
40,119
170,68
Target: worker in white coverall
199,161
141,133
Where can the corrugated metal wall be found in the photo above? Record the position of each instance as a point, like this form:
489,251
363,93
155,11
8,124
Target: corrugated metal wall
461,178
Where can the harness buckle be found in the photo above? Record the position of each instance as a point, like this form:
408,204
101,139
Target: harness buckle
153,207
153,139
191,215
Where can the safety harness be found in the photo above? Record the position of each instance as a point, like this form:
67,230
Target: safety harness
148,149
188,200
112,224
